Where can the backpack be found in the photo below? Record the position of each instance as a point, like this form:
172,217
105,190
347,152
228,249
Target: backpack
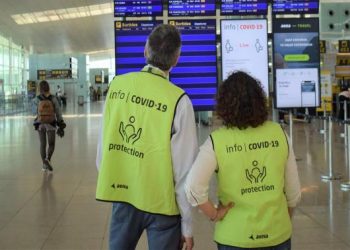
46,110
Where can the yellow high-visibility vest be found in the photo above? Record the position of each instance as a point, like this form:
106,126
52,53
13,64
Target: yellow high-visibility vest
136,164
251,174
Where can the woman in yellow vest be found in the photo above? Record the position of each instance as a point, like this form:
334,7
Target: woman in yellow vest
258,184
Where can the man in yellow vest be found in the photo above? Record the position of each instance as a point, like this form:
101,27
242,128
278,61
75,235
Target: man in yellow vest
258,184
147,146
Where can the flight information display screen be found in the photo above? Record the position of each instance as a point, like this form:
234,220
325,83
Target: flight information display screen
130,40
132,8
296,61
191,8
295,6
244,7
244,48
196,71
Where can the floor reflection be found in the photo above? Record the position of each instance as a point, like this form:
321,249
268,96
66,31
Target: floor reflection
58,211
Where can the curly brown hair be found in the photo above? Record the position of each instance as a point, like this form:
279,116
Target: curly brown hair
241,101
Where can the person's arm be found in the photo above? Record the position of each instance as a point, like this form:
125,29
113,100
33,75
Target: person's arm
292,184
197,183
184,148
215,213
35,103
290,211
100,138
99,146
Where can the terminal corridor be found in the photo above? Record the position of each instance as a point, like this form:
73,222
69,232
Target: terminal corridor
59,211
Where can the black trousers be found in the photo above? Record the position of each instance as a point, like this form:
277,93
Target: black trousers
341,107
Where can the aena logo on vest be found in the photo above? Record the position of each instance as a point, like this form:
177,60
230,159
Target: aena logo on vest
130,136
256,177
259,237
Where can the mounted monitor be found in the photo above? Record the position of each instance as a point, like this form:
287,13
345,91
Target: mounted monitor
296,61
132,8
243,7
130,40
295,6
244,48
74,67
191,8
98,79
196,71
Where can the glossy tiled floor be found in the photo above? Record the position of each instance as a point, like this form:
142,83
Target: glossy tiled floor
58,211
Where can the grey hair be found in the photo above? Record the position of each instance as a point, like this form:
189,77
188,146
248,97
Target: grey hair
163,46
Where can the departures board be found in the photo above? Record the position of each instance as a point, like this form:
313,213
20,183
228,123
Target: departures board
191,8
196,71
295,6
243,7
138,8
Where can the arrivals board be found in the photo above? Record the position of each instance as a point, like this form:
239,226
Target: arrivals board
137,8
244,7
295,6
130,40
191,8
296,62
196,71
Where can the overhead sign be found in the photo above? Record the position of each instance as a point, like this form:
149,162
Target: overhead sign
326,91
323,49
344,46
244,48
295,6
137,8
296,58
244,7
191,8
74,67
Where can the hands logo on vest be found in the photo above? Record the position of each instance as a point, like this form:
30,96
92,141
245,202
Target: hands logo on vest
130,135
256,175
128,132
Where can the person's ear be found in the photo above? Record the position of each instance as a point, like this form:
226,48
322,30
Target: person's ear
145,51
176,59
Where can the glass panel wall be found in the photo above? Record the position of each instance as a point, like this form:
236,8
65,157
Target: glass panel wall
14,73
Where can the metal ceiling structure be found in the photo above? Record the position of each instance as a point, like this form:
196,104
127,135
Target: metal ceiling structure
95,33
80,35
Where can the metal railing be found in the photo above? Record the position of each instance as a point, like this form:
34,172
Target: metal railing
15,104
327,130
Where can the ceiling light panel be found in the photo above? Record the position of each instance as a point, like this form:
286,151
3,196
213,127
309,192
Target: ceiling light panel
63,14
